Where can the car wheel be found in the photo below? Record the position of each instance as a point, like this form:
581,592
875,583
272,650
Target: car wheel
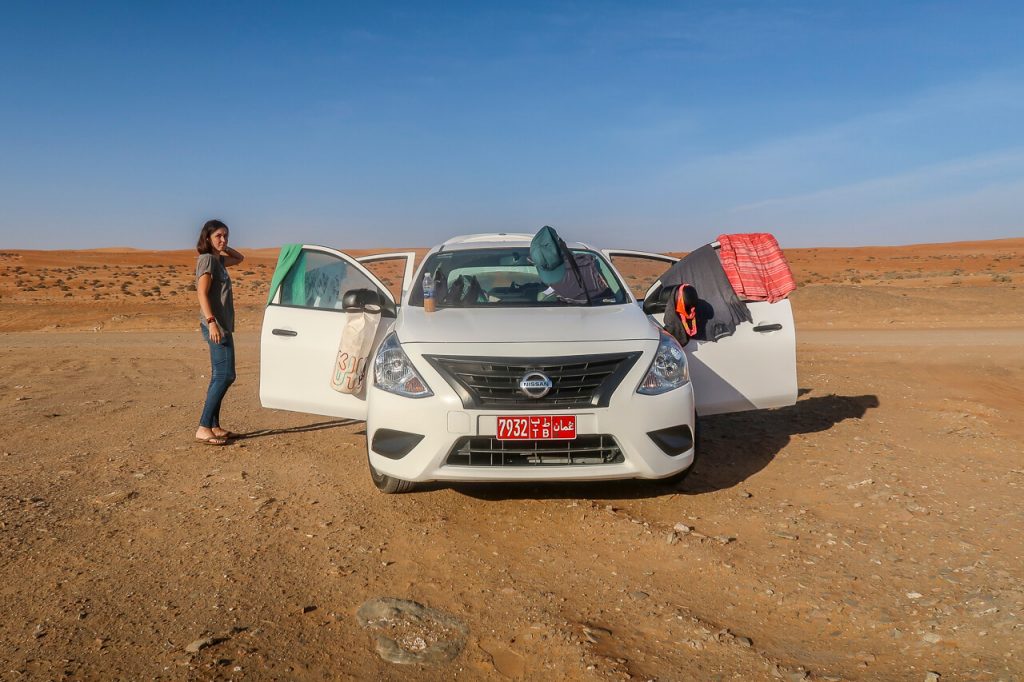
676,479
389,484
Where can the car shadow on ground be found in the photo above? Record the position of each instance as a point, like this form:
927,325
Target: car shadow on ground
733,447
318,426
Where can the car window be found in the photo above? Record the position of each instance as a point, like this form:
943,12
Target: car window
505,277
640,272
320,280
390,272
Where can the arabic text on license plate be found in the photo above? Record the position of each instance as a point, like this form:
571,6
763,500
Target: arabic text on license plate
542,427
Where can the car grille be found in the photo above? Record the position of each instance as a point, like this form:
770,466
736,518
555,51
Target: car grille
486,451
493,383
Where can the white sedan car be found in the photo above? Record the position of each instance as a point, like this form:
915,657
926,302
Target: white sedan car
510,382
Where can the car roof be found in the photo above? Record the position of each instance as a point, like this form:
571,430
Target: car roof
496,240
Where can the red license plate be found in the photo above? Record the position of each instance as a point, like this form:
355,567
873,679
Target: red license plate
543,427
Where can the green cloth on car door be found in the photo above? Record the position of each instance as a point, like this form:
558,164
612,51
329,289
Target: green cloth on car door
290,256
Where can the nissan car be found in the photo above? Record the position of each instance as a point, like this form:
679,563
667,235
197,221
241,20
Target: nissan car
505,380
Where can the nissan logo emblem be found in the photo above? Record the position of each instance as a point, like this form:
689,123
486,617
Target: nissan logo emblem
535,385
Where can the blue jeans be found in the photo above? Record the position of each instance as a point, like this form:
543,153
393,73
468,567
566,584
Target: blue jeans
222,375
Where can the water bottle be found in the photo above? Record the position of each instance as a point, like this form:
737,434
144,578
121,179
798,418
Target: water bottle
429,304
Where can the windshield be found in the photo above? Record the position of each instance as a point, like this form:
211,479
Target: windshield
492,278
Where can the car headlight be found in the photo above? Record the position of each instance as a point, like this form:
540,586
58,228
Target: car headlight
394,373
668,370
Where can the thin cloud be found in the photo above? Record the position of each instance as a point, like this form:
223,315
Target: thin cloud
1010,162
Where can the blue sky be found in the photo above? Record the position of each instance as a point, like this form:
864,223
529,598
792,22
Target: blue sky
640,125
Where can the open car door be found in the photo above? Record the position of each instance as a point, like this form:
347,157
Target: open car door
302,327
405,261
752,369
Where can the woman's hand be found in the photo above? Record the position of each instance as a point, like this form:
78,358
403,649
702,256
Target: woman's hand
215,334
230,256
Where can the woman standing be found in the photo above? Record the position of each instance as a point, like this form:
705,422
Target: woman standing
217,320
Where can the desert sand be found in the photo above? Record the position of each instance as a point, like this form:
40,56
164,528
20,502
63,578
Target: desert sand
870,532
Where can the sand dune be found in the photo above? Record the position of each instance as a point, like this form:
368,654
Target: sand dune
959,284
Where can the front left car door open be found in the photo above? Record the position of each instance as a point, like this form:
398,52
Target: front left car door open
302,326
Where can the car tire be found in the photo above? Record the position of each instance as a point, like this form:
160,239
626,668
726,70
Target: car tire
389,485
676,479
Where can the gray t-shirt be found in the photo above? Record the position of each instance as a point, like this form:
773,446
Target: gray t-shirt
221,304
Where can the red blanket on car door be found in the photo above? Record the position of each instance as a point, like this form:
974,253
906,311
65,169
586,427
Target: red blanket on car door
755,266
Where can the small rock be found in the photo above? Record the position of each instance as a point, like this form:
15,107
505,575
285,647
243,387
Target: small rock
199,645
682,528
262,502
745,495
931,637
309,608
594,634
115,497
785,536
932,676
407,632
914,595
744,641
638,595
672,538
725,539
40,631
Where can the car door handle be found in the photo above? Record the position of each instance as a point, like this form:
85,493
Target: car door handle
767,327
283,332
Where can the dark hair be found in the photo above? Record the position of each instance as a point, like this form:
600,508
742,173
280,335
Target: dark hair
211,226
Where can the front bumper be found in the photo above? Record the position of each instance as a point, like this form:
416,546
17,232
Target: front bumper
443,422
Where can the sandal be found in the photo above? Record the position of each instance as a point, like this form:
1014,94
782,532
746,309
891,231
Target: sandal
213,440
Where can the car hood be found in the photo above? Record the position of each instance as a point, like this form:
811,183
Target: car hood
525,325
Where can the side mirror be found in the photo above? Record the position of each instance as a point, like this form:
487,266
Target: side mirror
656,301
366,300
356,300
